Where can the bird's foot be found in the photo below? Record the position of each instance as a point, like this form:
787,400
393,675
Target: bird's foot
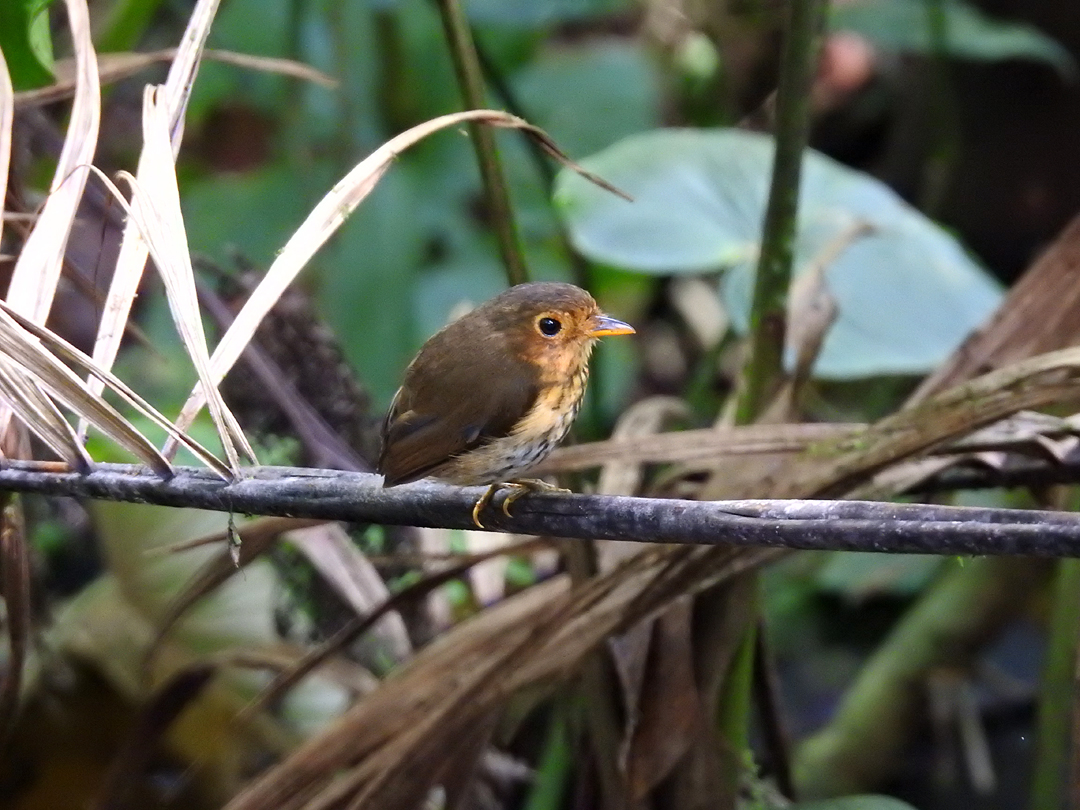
518,487
522,486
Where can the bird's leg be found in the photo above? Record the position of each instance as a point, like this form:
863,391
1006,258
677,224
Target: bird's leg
522,486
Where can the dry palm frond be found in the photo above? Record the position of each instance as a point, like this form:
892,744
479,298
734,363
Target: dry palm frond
385,752
113,67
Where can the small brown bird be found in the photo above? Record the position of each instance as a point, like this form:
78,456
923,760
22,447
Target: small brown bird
491,394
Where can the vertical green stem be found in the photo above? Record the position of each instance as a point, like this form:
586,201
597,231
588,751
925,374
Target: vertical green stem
944,119
1058,694
556,762
798,63
470,77
802,41
734,714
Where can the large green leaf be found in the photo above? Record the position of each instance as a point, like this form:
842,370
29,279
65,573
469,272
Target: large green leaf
905,25
907,293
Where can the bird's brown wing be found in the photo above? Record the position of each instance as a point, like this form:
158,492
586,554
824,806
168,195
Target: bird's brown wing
444,409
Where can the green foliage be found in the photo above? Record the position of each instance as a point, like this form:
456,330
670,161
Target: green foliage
534,13
126,23
26,42
252,213
905,25
856,803
907,292
587,98
860,575
367,299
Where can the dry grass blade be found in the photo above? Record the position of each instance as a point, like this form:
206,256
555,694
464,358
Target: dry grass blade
324,220
37,271
65,351
15,567
262,525
46,370
185,67
113,67
7,116
156,207
21,395
702,446
133,249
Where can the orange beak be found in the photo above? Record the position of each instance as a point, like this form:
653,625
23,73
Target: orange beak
602,326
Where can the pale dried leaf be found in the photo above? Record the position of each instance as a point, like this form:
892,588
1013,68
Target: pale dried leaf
59,381
156,208
7,116
23,397
488,579
435,543
37,271
113,67
12,323
644,418
698,302
133,249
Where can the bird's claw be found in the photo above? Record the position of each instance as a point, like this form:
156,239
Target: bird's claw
519,487
482,502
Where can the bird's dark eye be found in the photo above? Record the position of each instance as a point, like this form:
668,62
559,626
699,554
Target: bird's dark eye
549,326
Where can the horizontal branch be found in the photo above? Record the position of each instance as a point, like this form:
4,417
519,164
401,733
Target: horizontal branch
359,497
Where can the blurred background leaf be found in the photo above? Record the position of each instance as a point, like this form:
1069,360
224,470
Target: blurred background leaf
907,292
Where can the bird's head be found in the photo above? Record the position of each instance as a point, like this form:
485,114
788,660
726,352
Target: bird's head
551,325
